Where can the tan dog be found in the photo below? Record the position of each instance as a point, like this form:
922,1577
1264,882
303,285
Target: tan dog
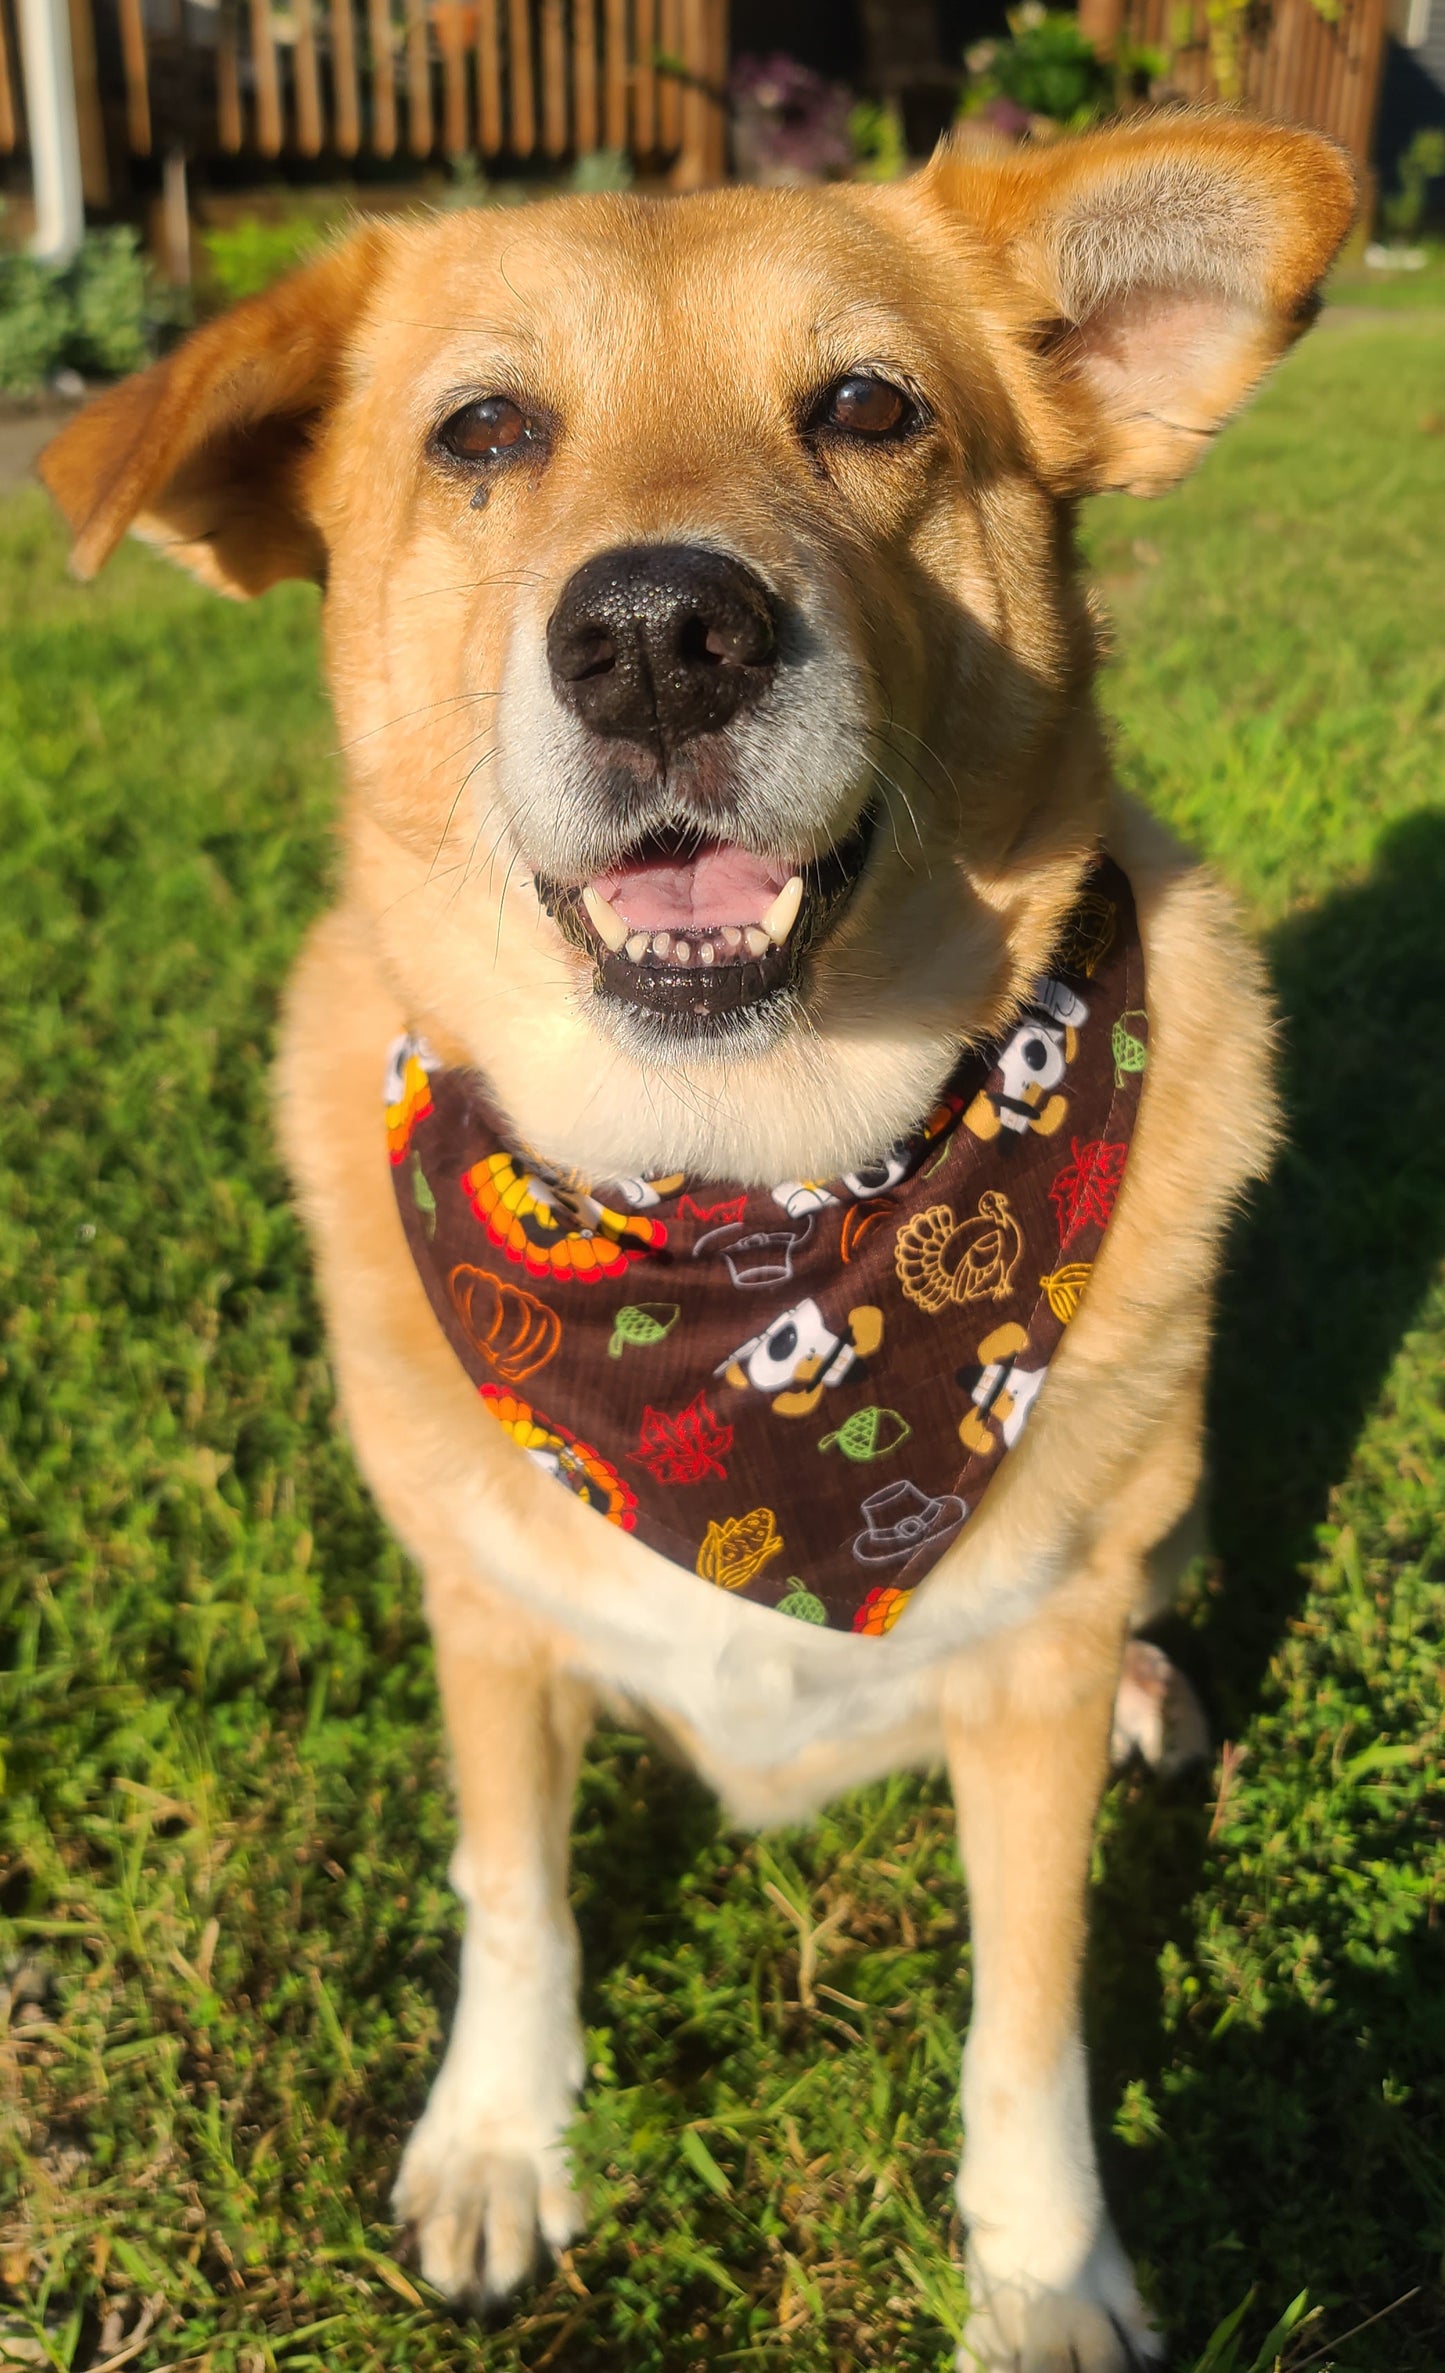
847,430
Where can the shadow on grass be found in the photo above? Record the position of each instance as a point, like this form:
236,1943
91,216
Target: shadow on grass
1287,2133
1334,1258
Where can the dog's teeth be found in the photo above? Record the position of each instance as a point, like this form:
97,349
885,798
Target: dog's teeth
707,953
637,946
756,940
682,951
662,943
783,913
732,938
605,920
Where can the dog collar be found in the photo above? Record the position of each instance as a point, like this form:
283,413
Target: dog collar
801,1393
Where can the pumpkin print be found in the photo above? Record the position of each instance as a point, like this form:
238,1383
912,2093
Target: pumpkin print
558,1452
514,1332
940,1259
552,1230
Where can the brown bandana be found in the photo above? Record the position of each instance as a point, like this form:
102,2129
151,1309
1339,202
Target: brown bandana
800,1393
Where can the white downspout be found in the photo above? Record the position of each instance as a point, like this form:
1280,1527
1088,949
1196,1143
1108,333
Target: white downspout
54,135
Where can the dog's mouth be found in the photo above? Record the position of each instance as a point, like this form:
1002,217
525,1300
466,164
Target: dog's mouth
694,930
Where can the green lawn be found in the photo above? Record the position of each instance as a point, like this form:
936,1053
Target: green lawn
227,1931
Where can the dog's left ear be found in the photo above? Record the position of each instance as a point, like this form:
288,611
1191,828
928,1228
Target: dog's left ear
207,454
1163,267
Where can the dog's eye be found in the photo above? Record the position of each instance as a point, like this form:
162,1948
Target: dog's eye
862,406
491,429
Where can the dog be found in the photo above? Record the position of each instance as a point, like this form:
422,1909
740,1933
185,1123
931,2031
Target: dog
704,625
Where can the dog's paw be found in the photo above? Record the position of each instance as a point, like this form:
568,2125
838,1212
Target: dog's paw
476,2202
1097,2325
1157,1713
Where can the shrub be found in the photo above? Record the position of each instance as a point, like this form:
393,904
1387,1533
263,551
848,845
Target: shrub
101,314
244,257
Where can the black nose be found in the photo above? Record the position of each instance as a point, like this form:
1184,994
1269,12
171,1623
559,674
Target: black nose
659,642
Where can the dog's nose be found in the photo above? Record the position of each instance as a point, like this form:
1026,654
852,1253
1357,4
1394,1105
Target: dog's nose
657,643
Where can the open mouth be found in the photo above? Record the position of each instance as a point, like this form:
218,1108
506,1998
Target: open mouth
693,930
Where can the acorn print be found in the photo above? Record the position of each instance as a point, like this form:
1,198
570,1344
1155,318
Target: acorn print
641,1323
868,1434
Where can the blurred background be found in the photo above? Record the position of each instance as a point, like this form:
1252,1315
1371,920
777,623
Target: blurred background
161,157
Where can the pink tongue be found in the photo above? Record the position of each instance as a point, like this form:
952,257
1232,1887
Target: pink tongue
719,885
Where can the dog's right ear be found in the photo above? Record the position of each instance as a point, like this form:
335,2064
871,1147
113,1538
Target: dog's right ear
206,454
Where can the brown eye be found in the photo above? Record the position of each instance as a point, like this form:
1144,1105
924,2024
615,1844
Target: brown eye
862,406
492,429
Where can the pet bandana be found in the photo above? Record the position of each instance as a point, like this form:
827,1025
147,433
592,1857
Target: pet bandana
799,1393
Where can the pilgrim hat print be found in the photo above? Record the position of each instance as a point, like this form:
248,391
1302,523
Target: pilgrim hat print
900,1519
757,1256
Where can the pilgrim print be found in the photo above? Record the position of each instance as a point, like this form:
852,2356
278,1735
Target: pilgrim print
794,1360
555,1230
1031,1064
559,1453
1001,1391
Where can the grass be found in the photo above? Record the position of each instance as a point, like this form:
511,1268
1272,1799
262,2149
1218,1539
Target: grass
228,1940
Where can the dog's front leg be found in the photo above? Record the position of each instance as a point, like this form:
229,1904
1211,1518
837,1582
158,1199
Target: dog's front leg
486,2168
1050,2290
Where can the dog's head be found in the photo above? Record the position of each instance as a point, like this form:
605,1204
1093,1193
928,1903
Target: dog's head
700,604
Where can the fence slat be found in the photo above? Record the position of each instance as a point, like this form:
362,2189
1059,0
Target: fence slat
230,125
554,79
308,83
489,79
383,79
584,74
451,40
268,80
418,80
345,96
614,74
644,76
9,125
137,83
524,92
669,93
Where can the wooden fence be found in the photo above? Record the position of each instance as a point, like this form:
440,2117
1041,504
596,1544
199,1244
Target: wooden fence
1284,58
530,81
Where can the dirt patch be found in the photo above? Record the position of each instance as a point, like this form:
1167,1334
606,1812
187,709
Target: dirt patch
23,431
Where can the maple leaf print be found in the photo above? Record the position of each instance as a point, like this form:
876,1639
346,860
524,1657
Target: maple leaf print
1083,1194
730,1210
684,1448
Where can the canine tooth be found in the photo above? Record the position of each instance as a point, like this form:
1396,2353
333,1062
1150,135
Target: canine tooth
732,938
681,951
756,941
637,946
783,913
707,953
606,921
662,943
